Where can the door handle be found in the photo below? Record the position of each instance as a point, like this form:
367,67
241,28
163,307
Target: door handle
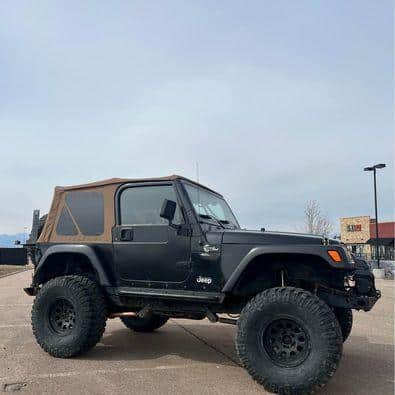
126,234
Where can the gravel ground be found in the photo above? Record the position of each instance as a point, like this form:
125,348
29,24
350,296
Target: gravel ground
193,357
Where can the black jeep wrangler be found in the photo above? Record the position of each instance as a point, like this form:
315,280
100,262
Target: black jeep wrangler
152,249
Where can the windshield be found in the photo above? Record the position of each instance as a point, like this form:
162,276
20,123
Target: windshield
209,205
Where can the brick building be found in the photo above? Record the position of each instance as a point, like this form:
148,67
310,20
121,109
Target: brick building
359,234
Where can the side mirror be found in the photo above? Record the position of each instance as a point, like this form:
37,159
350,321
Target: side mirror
168,210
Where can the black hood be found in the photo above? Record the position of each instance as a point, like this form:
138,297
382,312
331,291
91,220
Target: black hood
238,236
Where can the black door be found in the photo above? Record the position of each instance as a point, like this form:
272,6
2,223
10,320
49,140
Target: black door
146,248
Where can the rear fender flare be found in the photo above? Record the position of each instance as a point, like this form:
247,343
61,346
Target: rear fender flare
85,250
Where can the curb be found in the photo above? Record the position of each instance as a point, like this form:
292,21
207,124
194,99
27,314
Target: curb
13,273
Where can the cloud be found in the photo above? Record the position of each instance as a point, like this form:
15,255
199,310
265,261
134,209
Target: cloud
278,104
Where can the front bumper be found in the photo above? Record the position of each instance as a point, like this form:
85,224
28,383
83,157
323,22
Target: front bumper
361,296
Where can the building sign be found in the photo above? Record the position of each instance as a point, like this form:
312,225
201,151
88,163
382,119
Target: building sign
354,228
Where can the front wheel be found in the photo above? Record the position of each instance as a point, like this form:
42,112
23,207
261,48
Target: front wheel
289,340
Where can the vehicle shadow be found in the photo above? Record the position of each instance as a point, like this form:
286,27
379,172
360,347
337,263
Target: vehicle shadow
172,340
365,368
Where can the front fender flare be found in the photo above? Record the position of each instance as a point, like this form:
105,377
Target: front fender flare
307,249
73,249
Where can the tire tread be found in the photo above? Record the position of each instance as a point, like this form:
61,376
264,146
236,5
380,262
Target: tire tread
154,322
317,308
345,318
91,298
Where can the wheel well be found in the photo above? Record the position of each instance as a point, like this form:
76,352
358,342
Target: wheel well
273,270
62,264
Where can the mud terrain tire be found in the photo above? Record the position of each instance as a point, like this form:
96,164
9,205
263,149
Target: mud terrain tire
289,340
361,264
344,316
145,324
68,316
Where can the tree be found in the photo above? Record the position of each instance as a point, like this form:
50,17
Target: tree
315,222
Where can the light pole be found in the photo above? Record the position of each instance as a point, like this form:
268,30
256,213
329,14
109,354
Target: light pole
374,169
25,234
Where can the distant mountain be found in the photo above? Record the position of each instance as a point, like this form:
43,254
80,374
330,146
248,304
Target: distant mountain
9,240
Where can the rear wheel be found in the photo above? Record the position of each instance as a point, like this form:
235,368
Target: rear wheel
344,316
145,324
289,340
68,316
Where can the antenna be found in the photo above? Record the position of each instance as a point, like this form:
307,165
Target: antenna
198,187
197,172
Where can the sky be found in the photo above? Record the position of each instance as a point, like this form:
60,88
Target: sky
279,102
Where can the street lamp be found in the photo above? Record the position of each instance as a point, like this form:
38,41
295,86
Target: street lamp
374,169
24,234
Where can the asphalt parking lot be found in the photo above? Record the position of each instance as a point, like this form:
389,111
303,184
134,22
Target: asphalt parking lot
194,357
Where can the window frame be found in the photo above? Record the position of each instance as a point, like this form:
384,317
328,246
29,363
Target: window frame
124,187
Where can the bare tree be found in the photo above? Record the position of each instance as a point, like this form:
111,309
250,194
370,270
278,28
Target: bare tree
315,222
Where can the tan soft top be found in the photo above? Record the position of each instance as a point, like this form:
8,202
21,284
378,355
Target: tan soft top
117,181
106,189
120,181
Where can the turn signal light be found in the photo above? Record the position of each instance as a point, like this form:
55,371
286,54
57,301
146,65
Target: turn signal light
335,255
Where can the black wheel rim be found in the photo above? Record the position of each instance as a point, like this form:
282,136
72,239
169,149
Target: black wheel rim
286,342
62,317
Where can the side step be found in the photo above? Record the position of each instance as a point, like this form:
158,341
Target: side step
211,297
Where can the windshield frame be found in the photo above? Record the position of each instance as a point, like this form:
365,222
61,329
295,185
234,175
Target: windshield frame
214,221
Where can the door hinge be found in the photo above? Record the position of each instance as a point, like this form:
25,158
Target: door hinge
184,231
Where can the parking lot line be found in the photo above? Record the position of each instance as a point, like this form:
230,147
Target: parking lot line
13,325
15,305
215,349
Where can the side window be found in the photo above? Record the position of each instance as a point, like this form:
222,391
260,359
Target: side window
142,205
66,225
87,209
84,210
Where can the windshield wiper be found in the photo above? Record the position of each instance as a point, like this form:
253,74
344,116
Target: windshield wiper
213,218
221,222
227,222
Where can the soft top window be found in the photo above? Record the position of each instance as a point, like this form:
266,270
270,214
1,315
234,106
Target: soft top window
84,210
66,225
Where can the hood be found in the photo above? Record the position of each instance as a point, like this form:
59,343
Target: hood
238,236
